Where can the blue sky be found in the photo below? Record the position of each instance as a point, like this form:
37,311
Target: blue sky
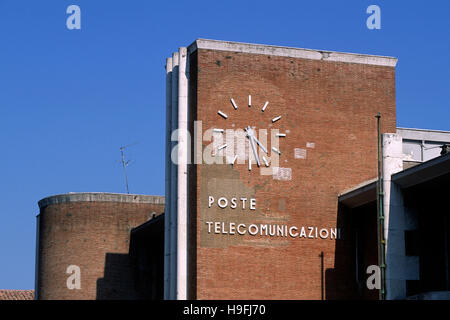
70,98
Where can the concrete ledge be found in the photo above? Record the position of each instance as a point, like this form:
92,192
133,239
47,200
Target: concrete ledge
292,52
359,195
100,197
424,134
423,172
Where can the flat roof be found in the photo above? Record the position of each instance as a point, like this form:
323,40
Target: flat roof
99,197
292,52
424,134
360,194
366,192
423,172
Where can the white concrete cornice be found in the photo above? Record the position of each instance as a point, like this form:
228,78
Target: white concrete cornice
100,197
292,52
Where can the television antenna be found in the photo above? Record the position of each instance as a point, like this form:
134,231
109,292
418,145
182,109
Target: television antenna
126,163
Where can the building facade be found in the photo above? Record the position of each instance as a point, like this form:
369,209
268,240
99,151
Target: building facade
416,171
267,138
270,190
89,236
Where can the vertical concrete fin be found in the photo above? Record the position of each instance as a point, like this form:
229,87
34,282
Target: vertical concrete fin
183,146
174,178
393,211
167,256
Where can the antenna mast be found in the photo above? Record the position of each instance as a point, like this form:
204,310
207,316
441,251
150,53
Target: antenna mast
126,163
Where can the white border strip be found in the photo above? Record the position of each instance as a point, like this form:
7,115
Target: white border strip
292,52
182,208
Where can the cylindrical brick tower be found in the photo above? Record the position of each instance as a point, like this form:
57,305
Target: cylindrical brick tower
85,237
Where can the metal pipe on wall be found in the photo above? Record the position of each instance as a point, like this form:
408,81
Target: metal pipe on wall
380,214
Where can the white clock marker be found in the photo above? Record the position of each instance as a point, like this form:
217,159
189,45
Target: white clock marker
249,100
221,147
265,106
281,134
249,164
265,161
276,150
234,160
234,104
276,119
222,114
218,130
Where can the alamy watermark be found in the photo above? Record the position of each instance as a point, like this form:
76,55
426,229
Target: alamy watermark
74,280
374,20
374,280
74,20
229,146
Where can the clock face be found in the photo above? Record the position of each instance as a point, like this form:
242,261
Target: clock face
258,149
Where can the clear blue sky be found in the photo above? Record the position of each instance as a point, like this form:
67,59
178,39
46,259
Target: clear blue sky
70,99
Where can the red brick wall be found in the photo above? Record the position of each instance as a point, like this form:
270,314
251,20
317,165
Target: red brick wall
331,104
94,236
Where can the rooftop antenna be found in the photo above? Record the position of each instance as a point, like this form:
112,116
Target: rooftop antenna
126,163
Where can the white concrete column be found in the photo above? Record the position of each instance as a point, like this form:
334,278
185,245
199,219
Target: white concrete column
183,145
394,224
167,256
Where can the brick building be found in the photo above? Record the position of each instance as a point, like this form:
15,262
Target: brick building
308,134
317,110
271,173
94,232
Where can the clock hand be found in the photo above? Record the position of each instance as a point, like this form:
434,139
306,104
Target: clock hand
260,144
254,150
252,143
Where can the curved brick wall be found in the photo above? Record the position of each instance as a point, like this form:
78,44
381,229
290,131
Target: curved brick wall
92,231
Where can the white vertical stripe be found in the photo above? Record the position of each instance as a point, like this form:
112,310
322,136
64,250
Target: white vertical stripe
182,212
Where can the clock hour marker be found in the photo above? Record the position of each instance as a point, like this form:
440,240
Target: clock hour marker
276,150
265,106
265,161
218,130
222,114
281,134
276,119
249,100
222,147
234,160
249,164
234,104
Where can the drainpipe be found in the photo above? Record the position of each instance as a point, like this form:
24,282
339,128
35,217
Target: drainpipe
380,215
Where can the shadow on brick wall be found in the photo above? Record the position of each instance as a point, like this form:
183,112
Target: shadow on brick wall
340,281
354,252
138,275
117,283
